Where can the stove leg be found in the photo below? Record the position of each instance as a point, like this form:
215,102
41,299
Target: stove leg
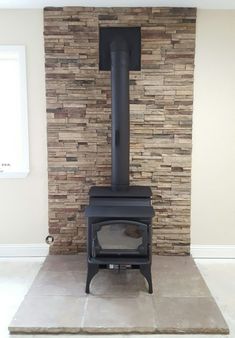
92,270
145,269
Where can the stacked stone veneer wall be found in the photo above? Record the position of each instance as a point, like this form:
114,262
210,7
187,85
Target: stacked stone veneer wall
78,115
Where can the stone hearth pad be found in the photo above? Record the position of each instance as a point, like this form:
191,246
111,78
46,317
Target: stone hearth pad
119,301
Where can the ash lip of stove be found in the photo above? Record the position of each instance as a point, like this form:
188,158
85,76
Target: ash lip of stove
120,216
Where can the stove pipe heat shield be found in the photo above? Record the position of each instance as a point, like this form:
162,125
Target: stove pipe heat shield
120,52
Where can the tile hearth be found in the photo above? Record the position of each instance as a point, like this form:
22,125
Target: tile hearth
119,301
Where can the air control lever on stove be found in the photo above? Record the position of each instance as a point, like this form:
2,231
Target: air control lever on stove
113,266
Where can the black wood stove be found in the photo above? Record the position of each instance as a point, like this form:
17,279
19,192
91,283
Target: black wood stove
119,217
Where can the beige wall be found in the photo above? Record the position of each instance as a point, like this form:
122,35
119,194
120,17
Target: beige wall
213,175
23,202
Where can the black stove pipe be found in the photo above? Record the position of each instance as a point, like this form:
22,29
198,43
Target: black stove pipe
120,113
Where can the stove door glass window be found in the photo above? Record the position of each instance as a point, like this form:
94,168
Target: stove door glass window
120,237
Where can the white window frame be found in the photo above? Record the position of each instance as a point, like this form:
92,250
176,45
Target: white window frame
23,170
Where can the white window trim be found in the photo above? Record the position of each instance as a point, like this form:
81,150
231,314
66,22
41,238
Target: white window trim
20,49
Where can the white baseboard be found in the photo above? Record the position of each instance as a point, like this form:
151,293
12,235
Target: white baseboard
213,251
41,250
24,250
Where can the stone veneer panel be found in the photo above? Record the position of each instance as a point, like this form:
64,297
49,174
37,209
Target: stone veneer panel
79,112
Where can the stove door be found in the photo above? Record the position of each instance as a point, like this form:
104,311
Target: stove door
120,238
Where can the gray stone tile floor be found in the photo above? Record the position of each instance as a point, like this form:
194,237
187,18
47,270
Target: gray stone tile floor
16,275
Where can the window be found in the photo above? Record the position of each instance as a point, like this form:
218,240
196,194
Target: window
14,152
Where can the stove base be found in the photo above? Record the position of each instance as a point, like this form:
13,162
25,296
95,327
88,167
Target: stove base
94,264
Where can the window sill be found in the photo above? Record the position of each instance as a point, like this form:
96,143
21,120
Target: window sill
21,174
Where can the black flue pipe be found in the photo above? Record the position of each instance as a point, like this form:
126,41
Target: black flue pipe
120,113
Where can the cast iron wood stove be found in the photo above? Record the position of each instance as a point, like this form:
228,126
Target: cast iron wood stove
120,216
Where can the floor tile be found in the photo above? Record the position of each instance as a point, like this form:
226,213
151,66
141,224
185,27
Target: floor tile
16,276
177,277
190,315
68,283
174,284
119,315
66,263
174,264
55,313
